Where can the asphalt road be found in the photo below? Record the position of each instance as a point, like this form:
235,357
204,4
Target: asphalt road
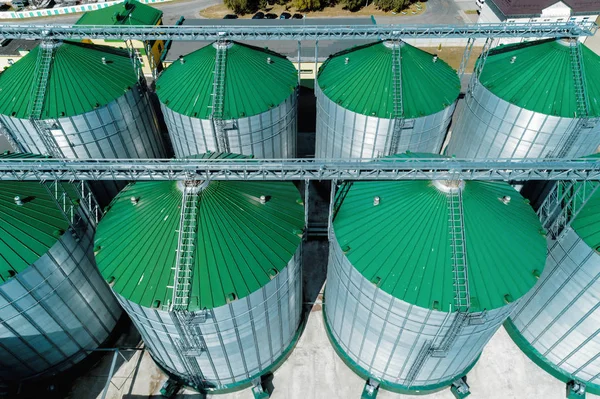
437,12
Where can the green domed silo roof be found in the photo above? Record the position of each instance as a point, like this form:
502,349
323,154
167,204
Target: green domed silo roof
27,231
364,83
253,85
78,80
538,76
240,242
404,242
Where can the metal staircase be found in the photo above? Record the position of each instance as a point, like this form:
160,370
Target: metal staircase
218,99
73,208
67,205
397,92
419,362
184,263
582,103
339,197
38,95
190,345
135,62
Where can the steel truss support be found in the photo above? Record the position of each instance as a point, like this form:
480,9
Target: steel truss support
563,204
480,64
300,169
465,58
291,31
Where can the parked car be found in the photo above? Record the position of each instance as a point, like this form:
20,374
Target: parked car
285,15
230,16
297,16
271,16
258,15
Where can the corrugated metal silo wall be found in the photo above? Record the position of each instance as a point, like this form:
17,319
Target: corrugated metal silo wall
124,128
242,338
560,316
383,335
54,311
271,134
488,127
345,134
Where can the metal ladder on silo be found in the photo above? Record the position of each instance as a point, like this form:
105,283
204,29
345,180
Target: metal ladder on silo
459,253
582,101
38,95
218,99
462,299
460,276
186,245
397,93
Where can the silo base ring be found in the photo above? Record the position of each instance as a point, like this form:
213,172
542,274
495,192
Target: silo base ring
535,356
389,386
246,383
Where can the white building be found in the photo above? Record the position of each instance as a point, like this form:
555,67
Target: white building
537,10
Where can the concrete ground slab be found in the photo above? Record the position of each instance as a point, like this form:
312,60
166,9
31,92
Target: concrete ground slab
314,371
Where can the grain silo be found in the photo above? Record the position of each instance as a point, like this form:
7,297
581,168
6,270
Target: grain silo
86,100
381,99
422,274
54,305
527,103
227,308
557,323
230,97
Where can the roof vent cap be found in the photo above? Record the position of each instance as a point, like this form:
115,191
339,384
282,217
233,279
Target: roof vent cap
513,59
134,200
269,60
505,200
435,58
376,200
103,60
346,60
181,59
263,199
18,201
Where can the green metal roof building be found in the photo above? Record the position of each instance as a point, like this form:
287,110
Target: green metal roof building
421,275
525,103
254,92
43,262
383,98
128,12
215,267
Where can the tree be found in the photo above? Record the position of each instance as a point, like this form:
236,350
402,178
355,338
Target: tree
391,5
354,5
307,5
242,6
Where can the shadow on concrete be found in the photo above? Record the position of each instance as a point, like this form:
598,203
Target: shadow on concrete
97,363
307,115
